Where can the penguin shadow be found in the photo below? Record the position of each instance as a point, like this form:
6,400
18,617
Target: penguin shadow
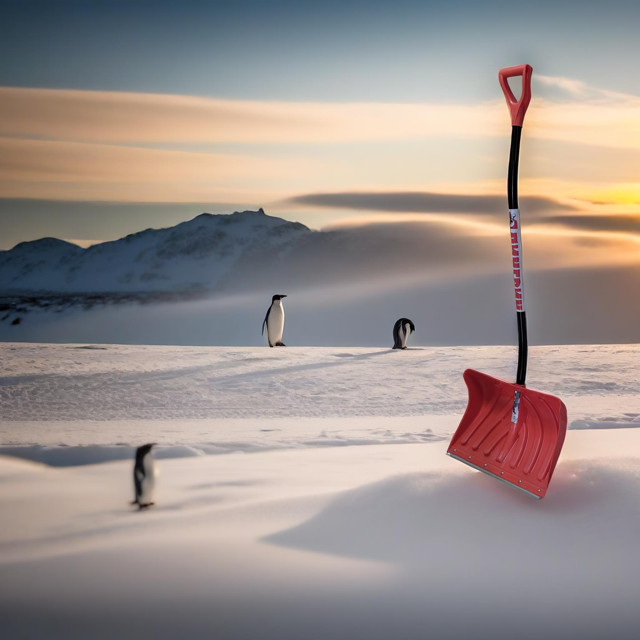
90,347
227,483
141,507
303,367
192,503
363,356
199,496
174,505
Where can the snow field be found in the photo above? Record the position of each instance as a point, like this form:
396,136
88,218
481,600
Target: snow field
362,542
293,534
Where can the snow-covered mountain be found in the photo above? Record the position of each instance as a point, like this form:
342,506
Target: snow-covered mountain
201,254
244,251
210,280
217,272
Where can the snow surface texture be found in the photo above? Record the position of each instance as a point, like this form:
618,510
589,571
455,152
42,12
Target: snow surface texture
293,535
363,542
107,399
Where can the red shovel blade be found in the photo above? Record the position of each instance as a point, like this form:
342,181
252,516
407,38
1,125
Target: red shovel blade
523,454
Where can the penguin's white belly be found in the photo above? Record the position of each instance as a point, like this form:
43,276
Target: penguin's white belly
148,483
275,324
404,334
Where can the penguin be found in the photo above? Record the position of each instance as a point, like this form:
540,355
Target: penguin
274,321
144,476
401,331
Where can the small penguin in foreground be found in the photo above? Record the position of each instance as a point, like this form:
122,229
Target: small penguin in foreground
401,331
144,476
274,321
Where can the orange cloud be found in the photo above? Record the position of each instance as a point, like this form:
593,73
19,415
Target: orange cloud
77,171
119,117
99,145
102,116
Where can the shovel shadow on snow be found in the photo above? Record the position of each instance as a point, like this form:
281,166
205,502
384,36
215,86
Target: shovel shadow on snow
442,522
343,358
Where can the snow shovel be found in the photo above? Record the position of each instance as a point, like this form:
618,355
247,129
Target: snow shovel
512,433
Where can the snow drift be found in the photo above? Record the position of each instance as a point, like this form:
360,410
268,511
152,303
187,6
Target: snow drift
334,512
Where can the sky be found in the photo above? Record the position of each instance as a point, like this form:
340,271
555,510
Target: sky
118,116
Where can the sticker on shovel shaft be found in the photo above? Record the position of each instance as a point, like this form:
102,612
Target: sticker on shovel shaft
516,257
515,412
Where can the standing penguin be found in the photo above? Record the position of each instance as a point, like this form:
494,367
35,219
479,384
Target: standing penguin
401,330
144,476
274,321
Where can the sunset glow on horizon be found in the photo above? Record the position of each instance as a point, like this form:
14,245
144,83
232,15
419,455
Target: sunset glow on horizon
100,146
324,154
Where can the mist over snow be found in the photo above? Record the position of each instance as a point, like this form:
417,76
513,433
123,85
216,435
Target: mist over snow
209,281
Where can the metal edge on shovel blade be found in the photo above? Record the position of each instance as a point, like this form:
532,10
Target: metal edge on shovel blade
537,496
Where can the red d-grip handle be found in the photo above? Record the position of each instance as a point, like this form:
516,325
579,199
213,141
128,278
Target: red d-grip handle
517,108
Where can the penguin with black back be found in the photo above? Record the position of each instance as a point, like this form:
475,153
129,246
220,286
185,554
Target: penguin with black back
144,476
274,321
402,329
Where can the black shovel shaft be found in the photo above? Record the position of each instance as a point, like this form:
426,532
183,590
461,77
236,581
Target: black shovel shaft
514,155
512,193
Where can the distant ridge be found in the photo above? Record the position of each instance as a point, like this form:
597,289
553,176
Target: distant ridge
199,254
216,253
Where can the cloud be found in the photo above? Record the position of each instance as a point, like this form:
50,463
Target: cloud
625,194
118,117
133,147
578,89
138,118
607,223
423,202
443,248
77,171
